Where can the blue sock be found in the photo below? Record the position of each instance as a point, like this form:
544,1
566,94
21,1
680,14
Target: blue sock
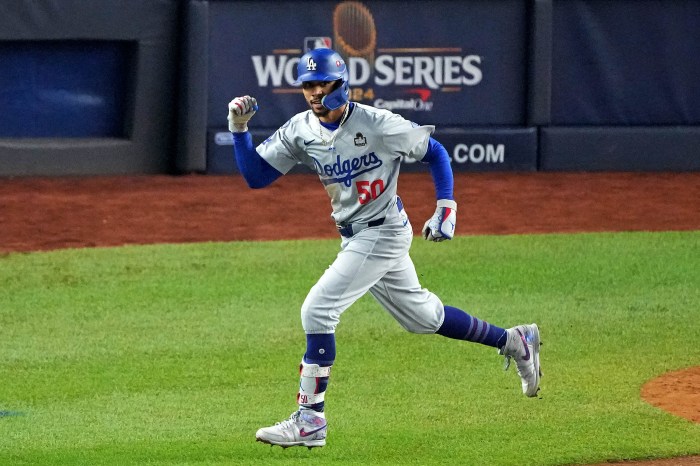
461,326
320,349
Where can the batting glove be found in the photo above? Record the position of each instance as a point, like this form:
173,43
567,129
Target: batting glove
441,225
240,110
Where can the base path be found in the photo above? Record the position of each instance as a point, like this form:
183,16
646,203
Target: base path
53,213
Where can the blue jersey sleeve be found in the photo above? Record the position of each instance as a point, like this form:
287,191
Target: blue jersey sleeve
256,171
439,161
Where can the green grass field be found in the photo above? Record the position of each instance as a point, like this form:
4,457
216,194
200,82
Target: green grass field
176,354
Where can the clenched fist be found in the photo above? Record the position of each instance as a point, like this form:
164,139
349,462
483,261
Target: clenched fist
240,110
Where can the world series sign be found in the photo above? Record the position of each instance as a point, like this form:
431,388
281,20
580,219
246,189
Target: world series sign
458,69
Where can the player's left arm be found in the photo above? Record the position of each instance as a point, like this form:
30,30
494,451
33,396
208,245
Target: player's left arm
256,171
441,226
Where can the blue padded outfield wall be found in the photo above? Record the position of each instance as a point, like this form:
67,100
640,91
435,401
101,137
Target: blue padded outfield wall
510,85
64,88
88,87
625,86
142,86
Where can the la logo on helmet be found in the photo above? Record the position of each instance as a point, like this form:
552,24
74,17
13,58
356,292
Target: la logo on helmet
310,64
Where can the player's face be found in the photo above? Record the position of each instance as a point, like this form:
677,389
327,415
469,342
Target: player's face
314,91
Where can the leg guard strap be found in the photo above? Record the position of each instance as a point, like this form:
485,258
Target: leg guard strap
314,370
304,398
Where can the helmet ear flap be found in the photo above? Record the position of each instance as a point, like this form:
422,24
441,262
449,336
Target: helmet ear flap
338,96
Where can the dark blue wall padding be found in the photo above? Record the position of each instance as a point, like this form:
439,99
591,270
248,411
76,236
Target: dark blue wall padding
142,142
570,84
620,149
539,70
626,62
65,88
193,88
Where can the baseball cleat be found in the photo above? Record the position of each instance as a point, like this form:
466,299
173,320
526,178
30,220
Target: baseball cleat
523,345
303,429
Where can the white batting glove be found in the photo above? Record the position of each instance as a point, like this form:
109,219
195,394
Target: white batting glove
240,110
441,225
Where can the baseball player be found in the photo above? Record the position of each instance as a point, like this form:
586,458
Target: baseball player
356,150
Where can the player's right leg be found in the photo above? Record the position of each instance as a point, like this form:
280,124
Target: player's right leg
362,261
307,426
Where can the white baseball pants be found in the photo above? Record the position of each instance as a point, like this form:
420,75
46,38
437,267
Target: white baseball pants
375,260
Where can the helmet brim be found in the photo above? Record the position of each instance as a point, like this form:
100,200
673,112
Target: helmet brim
316,77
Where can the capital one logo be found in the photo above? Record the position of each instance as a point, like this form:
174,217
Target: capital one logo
310,64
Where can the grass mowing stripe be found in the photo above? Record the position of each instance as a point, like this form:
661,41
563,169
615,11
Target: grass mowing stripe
176,354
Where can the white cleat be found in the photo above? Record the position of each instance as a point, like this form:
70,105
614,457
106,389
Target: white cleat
523,345
303,429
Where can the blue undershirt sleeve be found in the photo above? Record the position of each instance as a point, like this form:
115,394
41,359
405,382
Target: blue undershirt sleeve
439,161
255,170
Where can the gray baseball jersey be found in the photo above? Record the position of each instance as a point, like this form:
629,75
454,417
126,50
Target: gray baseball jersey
358,163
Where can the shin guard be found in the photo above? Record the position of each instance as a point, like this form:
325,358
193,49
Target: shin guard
312,385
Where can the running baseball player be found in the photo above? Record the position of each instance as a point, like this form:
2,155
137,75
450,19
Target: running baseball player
356,150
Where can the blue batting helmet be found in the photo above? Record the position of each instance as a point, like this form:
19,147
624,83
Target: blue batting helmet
325,65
